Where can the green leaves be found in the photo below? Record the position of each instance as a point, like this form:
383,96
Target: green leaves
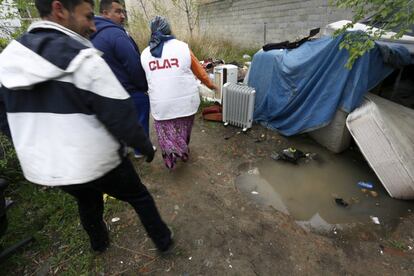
385,15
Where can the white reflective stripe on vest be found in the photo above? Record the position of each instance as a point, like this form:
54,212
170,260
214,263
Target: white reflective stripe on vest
172,86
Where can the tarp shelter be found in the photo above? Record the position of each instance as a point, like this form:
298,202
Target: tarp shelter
299,90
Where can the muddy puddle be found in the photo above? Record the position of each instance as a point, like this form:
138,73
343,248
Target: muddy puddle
315,192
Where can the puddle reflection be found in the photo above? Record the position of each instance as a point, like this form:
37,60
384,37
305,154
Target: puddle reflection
307,191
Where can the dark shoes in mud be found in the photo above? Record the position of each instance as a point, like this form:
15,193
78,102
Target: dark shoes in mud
100,239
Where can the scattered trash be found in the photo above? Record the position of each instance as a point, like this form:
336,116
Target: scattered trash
255,193
366,185
208,263
377,204
410,248
8,202
230,266
106,197
254,171
231,135
381,249
246,56
341,202
213,113
115,219
291,155
261,138
373,193
176,207
220,173
375,220
199,242
190,258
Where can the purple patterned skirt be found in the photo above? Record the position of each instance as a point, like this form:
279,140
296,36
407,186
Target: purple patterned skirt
173,138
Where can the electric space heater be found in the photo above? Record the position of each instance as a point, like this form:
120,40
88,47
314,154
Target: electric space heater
238,105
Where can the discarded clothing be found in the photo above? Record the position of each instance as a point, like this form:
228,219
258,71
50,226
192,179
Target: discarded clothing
290,45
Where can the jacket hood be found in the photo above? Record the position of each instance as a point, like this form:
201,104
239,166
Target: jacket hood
103,23
21,68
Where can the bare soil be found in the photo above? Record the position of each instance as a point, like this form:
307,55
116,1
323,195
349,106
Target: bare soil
219,231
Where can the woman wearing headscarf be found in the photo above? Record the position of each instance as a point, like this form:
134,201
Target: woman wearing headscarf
170,67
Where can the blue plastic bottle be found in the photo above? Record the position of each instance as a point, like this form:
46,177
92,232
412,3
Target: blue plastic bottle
365,185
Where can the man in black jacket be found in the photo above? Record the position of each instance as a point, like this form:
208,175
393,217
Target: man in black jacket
69,118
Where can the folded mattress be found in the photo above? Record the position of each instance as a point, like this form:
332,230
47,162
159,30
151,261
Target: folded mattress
335,136
384,132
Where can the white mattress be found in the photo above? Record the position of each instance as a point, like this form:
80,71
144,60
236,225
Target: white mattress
384,132
335,136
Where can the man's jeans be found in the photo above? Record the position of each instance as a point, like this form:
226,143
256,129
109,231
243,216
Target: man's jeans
142,105
124,184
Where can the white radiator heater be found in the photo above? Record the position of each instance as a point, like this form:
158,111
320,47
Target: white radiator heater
238,105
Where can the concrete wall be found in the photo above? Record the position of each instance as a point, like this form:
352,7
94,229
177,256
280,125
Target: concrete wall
256,22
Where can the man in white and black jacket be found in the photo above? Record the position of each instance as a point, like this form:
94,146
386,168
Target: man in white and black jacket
69,117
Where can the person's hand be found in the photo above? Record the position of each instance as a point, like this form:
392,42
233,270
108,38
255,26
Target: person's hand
150,155
214,87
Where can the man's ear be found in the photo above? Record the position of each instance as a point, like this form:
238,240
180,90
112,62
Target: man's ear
58,10
105,13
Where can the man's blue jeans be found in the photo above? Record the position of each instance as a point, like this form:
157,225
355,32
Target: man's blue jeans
142,105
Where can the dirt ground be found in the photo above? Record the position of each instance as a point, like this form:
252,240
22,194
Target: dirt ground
219,231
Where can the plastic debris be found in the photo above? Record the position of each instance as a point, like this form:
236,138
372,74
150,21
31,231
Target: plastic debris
373,193
339,201
292,155
246,56
190,258
255,193
199,242
115,219
381,249
106,197
366,185
254,171
375,220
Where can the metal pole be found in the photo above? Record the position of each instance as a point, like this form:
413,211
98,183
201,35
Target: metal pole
264,33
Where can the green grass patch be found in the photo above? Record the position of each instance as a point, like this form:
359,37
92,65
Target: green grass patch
50,215
209,47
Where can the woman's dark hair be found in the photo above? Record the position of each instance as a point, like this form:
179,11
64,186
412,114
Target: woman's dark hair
45,6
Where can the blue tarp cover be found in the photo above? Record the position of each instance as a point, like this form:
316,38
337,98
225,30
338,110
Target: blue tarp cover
300,90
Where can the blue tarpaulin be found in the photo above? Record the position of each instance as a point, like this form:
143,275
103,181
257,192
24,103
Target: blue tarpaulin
300,90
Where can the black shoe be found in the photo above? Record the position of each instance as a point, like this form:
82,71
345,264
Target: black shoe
168,245
99,239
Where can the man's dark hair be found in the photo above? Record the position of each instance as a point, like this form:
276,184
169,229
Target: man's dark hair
107,4
45,6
